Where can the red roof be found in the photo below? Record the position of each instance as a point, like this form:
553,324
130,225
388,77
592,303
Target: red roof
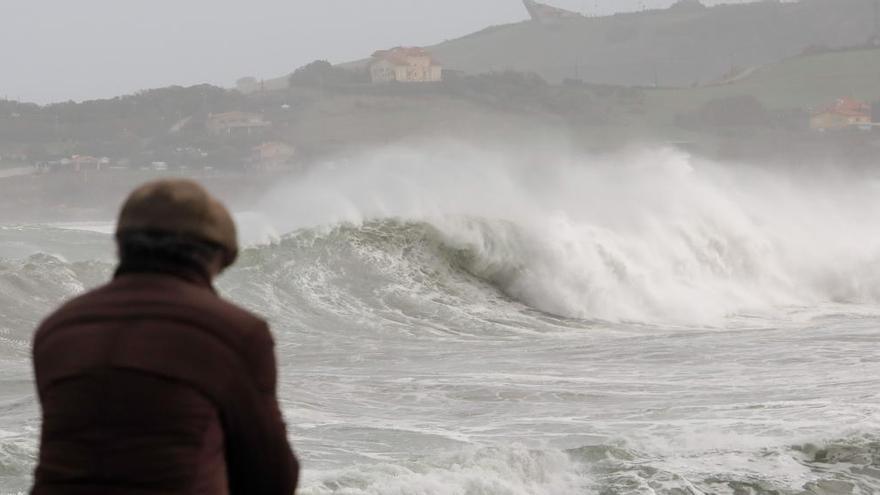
849,107
399,55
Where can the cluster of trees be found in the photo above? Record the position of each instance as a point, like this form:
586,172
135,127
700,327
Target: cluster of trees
168,124
165,125
506,90
142,115
323,73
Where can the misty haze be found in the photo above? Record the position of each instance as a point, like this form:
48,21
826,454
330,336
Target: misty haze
504,247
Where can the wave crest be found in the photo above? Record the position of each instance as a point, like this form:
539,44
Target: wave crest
692,276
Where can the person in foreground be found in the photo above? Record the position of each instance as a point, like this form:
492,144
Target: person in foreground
152,384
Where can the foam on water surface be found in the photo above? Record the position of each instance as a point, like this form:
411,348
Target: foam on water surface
459,321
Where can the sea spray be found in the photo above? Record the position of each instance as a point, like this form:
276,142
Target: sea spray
649,236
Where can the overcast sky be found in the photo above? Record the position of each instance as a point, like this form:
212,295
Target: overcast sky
54,50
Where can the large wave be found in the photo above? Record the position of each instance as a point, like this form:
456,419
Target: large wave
653,236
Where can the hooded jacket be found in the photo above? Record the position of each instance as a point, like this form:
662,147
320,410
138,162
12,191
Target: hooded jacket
153,384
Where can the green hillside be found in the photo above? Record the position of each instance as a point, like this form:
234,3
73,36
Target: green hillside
672,47
804,82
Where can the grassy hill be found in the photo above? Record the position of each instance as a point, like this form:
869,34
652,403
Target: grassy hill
803,82
673,47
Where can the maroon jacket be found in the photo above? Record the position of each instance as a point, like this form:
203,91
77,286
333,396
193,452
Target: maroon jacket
152,384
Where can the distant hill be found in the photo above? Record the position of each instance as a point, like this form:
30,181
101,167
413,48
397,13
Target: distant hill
323,116
680,46
684,45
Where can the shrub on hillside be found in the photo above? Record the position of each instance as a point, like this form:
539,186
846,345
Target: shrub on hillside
322,72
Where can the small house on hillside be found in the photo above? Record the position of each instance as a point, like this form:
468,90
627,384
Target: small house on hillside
845,113
405,65
232,122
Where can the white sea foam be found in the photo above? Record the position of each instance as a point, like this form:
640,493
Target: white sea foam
412,359
649,236
515,470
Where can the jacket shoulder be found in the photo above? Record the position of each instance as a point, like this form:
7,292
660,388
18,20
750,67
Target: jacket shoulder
152,297
71,307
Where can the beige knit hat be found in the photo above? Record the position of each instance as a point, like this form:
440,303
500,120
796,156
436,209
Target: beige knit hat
180,206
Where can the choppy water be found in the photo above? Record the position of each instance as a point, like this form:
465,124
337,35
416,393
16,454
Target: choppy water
455,323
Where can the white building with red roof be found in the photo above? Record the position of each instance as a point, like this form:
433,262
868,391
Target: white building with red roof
844,113
402,64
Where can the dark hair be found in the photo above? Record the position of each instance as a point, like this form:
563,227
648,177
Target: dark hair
145,251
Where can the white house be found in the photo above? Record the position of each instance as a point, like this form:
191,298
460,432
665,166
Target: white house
405,65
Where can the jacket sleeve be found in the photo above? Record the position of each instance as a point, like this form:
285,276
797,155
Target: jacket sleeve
259,458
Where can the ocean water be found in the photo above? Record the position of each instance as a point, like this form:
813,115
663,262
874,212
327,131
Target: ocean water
459,321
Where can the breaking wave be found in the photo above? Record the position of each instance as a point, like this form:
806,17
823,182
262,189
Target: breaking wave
581,272
653,237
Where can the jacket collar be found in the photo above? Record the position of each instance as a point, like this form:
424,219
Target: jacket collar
193,277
